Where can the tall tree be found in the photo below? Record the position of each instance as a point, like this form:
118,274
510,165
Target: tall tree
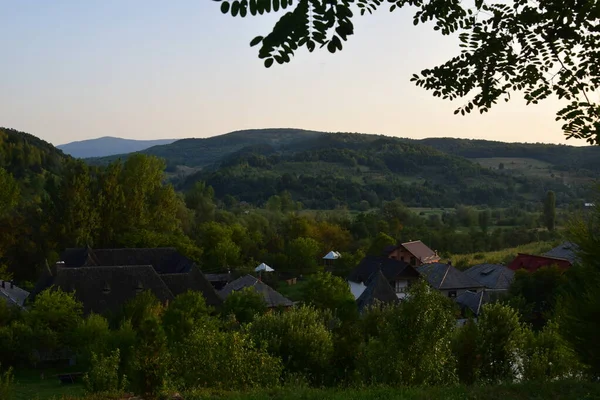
550,210
538,48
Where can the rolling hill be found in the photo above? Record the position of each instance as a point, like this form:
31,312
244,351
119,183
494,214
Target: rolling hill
107,146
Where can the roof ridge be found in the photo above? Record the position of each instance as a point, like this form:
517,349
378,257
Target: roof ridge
445,274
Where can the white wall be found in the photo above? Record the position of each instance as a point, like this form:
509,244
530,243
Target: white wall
356,288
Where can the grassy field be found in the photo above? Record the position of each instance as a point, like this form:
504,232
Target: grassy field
29,385
463,261
527,391
535,391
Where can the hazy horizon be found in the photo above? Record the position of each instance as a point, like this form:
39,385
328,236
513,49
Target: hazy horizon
151,70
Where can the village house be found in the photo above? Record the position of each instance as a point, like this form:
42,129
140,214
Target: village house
105,279
566,251
494,277
531,262
378,291
415,253
399,275
449,280
273,299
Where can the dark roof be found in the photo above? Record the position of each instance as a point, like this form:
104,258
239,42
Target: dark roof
420,251
195,281
165,260
492,276
378,290
12,294
392,269
107,289
224,277
446,277
566,250
272,297
473,301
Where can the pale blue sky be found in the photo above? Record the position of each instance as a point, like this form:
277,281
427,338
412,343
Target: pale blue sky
149,69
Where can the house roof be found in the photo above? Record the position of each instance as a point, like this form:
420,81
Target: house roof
378,290
271,296
332,255
492,276
165,260
473,301
195,281
225,277
532,262
566,250
392,269
446,277
12,295
106,289
420,251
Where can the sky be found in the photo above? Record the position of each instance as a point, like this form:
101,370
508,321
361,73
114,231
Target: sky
154,69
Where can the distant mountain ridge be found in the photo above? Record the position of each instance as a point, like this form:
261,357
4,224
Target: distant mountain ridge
108,146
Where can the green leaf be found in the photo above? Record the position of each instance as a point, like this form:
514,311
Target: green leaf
276,5
268,62
331,47
225,7
256,41
235,8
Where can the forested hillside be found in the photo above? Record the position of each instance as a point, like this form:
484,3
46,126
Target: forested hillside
328,170
107,146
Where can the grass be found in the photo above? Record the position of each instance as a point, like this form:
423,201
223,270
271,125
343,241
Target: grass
505,256
29,385
535,391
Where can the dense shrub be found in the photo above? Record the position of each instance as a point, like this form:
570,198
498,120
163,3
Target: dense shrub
412,343
104,376
299,337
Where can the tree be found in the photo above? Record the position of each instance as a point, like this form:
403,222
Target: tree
539,48
201,199
501,166
485,218
328,292
151,358
302,255
409,344
500,338
299,337
9,192
53,318
550,210
184,313
379,244
244,304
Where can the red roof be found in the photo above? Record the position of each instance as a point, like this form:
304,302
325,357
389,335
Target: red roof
532,262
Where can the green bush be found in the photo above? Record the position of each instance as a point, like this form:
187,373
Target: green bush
299,337
244,304
103,376
209,358
411,343
6,383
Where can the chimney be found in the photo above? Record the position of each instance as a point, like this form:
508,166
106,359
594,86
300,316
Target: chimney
56,267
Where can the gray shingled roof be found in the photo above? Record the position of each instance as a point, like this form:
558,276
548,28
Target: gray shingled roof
13,295
473,301
566,250
195,281
446,277
391,269
107,289
378,290
272,297
165,260
492,276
